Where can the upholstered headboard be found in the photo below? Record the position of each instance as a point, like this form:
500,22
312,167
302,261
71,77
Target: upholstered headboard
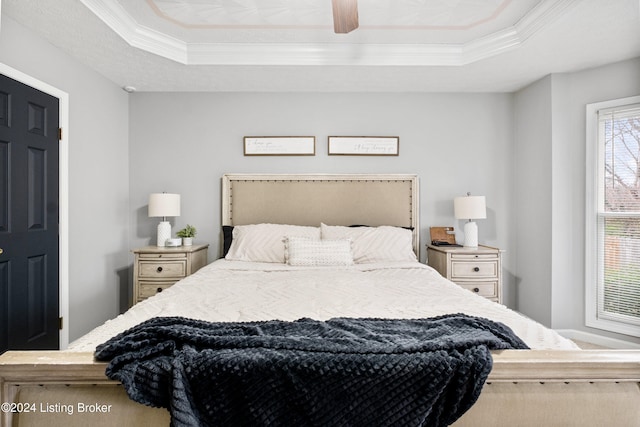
313,198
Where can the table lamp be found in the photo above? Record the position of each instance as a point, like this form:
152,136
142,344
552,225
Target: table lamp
164,205
470,207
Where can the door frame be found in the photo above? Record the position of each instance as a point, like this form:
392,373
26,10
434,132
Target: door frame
63,198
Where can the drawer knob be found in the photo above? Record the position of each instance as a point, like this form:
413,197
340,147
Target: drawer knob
159,290
476,290
159,269
476,269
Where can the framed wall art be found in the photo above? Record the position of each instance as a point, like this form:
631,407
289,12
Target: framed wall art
364,145
279,145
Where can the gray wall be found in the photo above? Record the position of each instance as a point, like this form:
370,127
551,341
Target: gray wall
184,142
532,200
98,174
550,189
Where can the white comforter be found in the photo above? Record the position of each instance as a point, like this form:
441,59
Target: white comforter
242,291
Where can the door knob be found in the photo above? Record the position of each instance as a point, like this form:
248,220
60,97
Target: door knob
1,251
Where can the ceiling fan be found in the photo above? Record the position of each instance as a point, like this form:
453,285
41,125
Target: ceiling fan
345,15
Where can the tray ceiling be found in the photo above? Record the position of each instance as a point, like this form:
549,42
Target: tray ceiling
299,32
289,45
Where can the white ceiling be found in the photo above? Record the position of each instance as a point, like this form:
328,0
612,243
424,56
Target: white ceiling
289,45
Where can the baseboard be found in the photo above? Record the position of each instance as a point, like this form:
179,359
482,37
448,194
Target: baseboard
597,339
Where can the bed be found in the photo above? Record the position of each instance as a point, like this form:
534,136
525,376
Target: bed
553,383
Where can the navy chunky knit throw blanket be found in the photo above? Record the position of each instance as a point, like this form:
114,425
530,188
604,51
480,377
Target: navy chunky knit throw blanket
340,372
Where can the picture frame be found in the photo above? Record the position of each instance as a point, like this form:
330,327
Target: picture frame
364,146
279,145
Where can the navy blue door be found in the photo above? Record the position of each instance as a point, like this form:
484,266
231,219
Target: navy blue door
29,154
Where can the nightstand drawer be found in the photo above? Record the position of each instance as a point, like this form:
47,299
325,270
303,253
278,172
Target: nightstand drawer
157,268
477,269
484,289
480,269
160,270
162,256
481,257
149,289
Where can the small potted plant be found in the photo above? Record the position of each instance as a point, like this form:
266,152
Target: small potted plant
187,234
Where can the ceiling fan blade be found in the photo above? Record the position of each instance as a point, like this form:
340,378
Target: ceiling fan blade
345,15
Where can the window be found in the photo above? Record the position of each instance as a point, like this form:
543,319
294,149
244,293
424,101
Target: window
613,216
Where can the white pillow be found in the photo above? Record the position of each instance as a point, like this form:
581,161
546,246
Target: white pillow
374,244
264,242
315,252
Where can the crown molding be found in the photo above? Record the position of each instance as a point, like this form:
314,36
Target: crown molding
136,35
144,38
542,15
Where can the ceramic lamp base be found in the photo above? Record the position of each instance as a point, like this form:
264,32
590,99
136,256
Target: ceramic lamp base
164,232
470,235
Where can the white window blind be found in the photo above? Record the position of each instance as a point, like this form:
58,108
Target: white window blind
616,212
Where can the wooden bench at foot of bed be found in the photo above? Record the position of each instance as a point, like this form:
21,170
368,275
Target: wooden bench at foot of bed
525,388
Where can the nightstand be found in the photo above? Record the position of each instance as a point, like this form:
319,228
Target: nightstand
478,270
156,268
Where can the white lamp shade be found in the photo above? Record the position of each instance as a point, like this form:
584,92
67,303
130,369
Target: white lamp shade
164,204
470,207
